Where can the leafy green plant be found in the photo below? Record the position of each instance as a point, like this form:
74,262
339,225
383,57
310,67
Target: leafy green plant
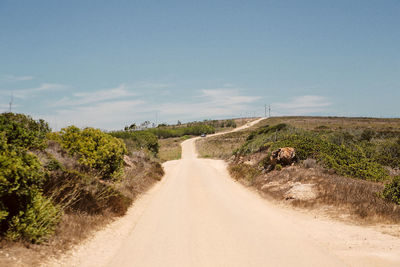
194,129
95,149
367,135
22,131
36,222
336,151
392,190
389,153
137,140
24,212
20,173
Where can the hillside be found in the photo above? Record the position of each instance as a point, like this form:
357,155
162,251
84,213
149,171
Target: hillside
346,164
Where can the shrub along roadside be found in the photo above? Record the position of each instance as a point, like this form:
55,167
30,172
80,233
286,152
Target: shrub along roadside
94,149
138,140
196,129
75,173
21,181
359,155
348,160
22,131
392,190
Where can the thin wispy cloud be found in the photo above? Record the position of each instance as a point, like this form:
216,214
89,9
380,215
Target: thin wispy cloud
14,78
227,97
151,85
210,103
117,107
105,115
44,87
85,98
302,105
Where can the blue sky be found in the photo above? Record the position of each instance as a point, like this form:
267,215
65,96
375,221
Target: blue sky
110,63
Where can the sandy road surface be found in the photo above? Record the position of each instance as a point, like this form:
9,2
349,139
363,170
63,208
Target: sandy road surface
198,216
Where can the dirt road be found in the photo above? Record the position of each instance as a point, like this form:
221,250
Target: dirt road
198,216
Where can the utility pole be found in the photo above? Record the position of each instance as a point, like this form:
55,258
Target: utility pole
265,110
11,101
269,111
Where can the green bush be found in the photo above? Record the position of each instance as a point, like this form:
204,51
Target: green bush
24,212
267,130
194,129
136,140
19,170
341,138
336,151
36,222
22,131
20,173
367,135
95,149
342,159
392,190
389,153
230,123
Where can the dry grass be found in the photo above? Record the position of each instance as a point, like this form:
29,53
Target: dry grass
73,228
170,149
220,146
223,146
337,123
356,199
341,196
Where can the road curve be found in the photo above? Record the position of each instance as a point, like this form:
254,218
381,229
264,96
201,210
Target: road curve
199,216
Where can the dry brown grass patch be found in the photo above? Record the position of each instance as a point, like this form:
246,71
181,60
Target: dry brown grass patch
170,149
360,199
221,146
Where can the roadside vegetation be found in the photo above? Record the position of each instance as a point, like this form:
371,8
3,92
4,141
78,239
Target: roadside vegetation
164,141
58,187
352,163
170,148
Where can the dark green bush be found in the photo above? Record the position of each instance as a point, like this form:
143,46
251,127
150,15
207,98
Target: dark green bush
367,135
20,173
36,222
24,212
22,131
336,151
342,159
195,129
137,140
341,138
392,190
230,123
389,153
94,149
267,130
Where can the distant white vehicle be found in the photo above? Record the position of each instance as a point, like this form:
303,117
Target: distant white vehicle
203,135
